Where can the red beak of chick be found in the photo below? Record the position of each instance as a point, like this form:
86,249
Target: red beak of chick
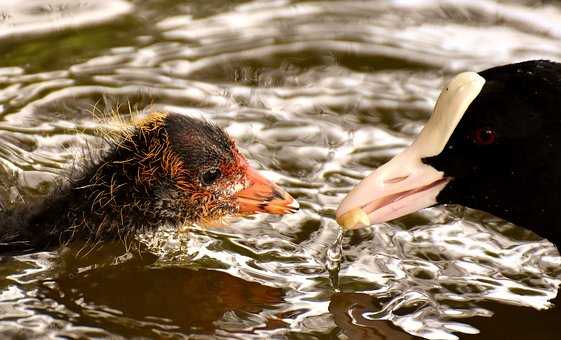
264,196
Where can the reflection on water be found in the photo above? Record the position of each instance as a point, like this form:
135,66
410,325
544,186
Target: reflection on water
317,93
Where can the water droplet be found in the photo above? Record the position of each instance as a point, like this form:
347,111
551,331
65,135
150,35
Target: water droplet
333,260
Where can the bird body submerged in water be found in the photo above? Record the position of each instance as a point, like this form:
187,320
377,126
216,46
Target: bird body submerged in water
165,169
493,143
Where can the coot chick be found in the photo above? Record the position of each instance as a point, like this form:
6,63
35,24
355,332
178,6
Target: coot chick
163,169
493,143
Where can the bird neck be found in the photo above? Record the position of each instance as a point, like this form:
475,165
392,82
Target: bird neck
530,204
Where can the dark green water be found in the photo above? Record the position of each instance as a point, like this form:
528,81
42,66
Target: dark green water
316,94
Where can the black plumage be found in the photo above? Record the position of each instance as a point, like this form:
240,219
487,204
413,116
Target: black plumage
505,154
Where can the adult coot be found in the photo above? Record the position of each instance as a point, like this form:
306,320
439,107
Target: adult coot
493,143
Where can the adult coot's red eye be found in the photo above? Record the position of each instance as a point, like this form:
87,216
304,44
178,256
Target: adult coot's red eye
484,136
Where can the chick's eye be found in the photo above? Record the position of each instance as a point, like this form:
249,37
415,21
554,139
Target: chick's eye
484,136
210,176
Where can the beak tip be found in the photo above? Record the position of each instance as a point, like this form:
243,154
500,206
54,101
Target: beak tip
286,205
353,219
293,206
264,196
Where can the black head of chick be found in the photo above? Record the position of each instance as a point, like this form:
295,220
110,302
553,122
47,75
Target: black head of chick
162,169
503,157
